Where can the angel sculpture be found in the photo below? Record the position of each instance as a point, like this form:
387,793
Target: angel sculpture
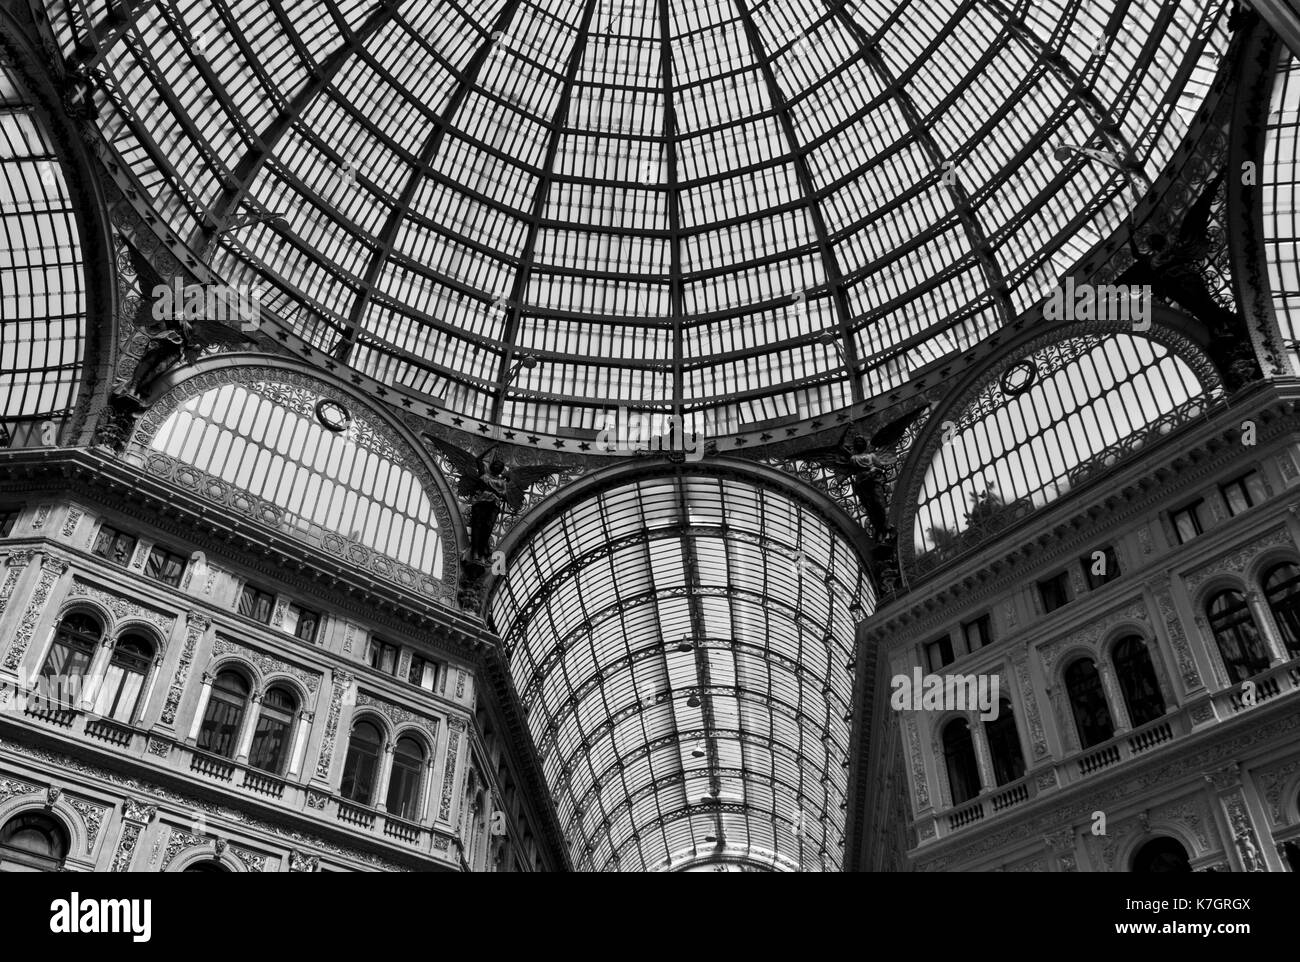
864,465
167,346
490,486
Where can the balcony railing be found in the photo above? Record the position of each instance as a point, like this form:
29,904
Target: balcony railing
1103,757
355,814
1008,797
154,748
109,731
263,783
1226,703
401,830
212,766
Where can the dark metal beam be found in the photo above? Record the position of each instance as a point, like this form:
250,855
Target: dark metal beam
250,164
830,261
976,236
677,289
519,289
387,235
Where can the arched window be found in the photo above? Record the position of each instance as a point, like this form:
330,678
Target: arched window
270,749
32,842
1161,855
361,767
1282,589
69,659
1137,680
959,756
1004,745
207,865
1237,635
225,714
119,693
404,782
1088,701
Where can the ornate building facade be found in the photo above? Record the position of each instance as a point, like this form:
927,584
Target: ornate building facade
531,439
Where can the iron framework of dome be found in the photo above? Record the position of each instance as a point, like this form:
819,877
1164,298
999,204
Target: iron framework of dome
734,212
742,214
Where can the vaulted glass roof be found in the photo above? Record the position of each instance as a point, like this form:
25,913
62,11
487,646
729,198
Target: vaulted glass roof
42,277
733,210
683,650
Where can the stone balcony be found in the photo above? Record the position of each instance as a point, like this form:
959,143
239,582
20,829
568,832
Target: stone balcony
1079,767
159,753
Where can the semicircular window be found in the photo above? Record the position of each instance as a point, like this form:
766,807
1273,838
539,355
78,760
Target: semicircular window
42,281
262,446
1093,400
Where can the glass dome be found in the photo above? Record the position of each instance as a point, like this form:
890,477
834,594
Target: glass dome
737,212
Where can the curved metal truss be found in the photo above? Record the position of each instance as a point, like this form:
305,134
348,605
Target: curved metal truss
43,284
737,213
683,648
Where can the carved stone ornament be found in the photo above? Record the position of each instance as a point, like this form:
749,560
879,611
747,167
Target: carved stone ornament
179,842
197,624
1090,635
267,664
342,684
399,715
92,816
52,569
122,608
138,812
1236,562
12,787
126,846
298,862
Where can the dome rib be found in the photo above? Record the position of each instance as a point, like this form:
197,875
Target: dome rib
250,164
830,263
676,293
1079,84
527,255
386,239
981,246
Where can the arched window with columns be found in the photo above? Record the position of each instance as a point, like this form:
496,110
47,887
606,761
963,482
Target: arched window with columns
1137,680
122,686
67,664
405,778
224,718
1281,585
959,759
1092,718
1004,745
361,764
273,735
1238,637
